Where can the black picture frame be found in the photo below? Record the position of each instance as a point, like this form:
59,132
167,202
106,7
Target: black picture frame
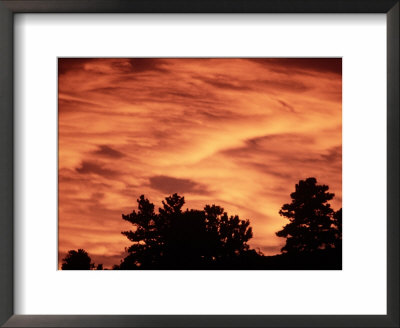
10,7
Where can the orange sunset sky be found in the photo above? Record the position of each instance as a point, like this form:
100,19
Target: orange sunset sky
239,133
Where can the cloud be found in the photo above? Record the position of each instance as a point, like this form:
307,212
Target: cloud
140,65
107,151
270,169
286,106
66,65
285,144
224,82
70,105
88,167
334,154
170,185
227,83
290,65
271,153
287,85
111,65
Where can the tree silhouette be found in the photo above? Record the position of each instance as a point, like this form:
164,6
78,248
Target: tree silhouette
337,222
314,225
174,239
210,239
77,260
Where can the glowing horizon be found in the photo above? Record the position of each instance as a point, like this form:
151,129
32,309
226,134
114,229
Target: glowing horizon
239,133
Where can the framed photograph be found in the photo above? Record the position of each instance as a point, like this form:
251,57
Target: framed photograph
203,164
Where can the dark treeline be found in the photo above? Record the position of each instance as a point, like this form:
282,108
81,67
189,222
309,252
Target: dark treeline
211,239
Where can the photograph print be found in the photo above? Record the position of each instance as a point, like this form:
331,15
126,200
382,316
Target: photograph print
199,163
